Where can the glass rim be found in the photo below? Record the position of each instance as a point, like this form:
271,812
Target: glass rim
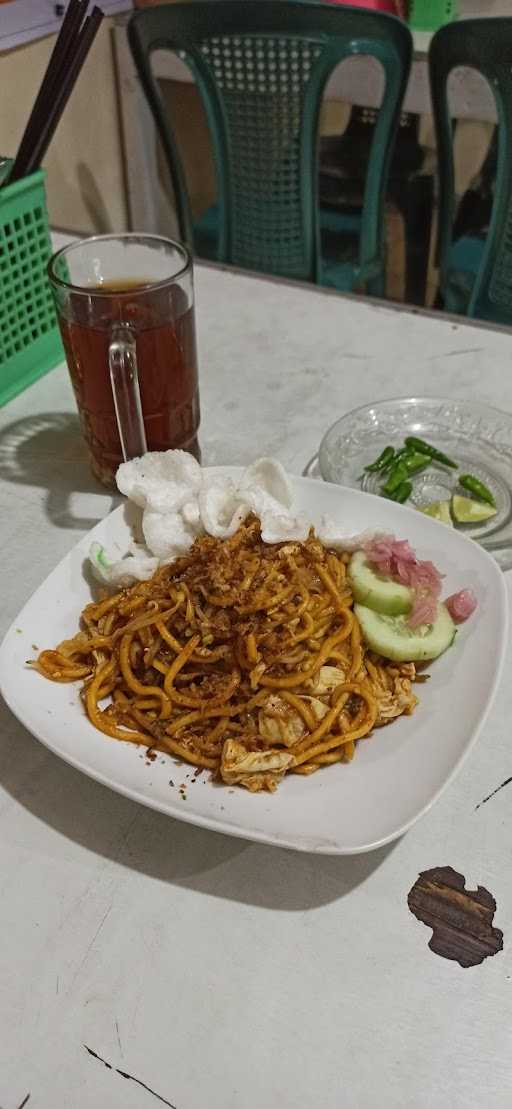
88,290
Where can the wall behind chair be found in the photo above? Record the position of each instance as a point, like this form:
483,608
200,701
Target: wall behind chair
86,190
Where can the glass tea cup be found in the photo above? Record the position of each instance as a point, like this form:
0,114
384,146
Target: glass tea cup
125,305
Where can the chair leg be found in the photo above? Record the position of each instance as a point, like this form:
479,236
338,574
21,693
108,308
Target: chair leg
376,287
415,199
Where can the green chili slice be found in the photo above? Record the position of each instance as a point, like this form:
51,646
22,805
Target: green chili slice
473,485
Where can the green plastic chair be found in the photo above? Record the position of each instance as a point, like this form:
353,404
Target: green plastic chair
475,273
261,68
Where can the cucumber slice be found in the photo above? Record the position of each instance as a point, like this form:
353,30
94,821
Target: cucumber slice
376,591
392,637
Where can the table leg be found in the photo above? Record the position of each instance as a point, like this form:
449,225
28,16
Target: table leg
149,205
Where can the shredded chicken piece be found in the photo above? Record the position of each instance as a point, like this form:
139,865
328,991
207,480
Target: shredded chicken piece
393,703
403,670
288,549
326,680
279,722
256,770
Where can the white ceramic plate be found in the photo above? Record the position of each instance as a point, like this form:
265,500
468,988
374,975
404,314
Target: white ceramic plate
395,776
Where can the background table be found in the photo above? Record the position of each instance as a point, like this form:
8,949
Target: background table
219,973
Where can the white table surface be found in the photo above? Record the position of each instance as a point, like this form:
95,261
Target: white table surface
221,974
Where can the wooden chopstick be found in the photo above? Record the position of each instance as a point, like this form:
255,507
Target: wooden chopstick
68,56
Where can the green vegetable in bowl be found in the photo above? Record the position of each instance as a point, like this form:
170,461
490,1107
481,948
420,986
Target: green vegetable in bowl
400,455
416,462
399,474
384,459
426,448
402,494
397,466
473,485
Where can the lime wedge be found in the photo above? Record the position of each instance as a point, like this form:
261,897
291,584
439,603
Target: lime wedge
467,511
439,510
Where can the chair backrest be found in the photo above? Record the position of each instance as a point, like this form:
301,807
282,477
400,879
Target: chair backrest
261,67
484,45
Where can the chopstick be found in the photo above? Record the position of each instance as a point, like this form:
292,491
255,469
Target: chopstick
85,41
68,56
75,11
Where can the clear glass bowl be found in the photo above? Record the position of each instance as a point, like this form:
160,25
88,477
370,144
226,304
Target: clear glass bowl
475,435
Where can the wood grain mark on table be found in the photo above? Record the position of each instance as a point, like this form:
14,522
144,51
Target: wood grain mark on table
90,945
494,792
130,1077
455,353
461,919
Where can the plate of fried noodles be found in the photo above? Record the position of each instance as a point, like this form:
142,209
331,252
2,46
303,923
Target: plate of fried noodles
238,684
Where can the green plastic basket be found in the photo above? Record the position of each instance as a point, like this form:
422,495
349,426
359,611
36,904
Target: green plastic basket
29,338
429,15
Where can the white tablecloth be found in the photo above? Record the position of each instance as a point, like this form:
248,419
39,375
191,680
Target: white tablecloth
222,974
